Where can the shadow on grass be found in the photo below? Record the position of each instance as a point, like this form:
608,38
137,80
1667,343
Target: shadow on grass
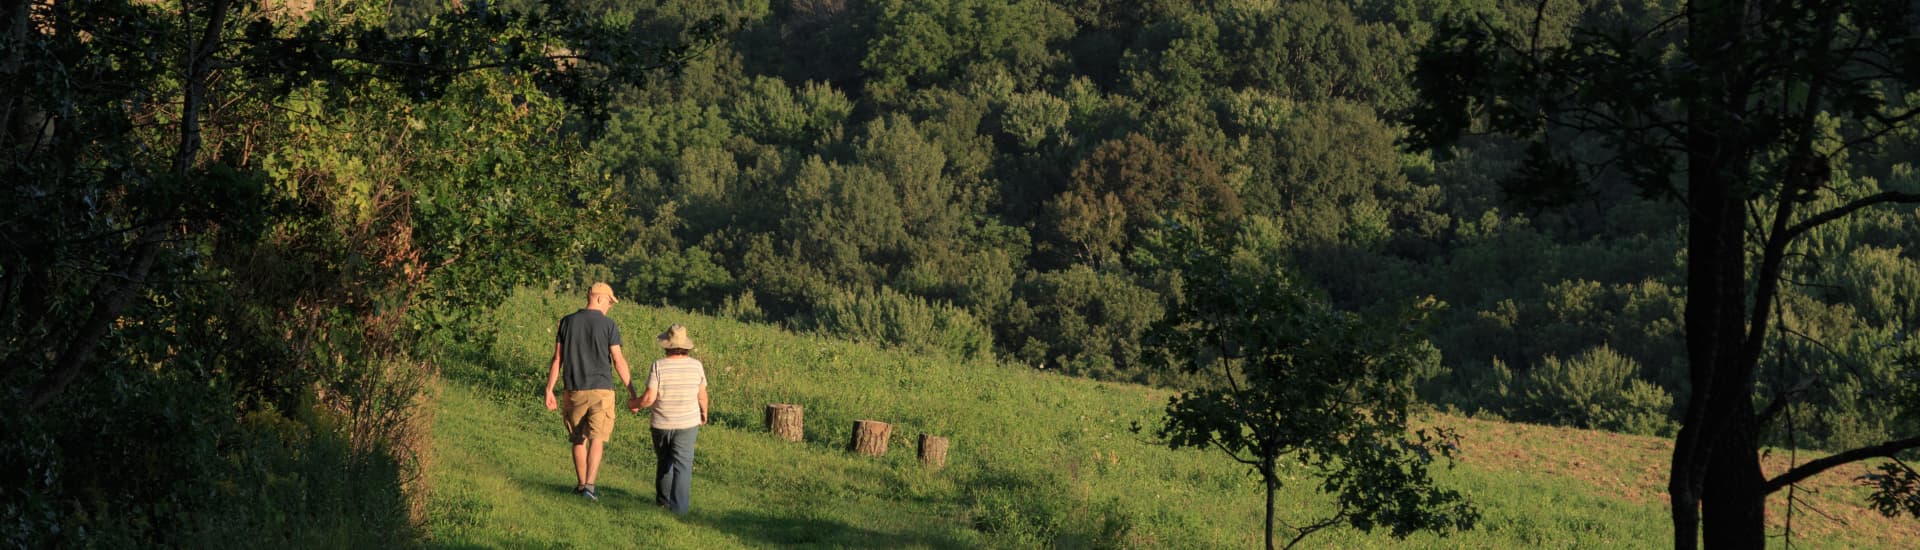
623,498
786,531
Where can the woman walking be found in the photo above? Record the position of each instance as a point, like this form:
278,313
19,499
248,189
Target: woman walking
677,393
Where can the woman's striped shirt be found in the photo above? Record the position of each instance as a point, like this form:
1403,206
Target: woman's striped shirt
678,379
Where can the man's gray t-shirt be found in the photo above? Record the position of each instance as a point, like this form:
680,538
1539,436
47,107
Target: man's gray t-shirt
586,363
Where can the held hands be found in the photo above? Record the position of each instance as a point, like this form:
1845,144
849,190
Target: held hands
633,404
551,403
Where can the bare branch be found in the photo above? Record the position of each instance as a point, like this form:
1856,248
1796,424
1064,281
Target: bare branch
1230,454
1813,468
1822,218
1323,523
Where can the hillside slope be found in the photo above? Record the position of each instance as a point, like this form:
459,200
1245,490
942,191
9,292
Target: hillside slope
1037,460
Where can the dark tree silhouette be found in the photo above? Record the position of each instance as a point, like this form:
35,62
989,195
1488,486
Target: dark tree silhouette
1743,110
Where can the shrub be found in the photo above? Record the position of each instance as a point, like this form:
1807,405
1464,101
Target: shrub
890,317
1643,409
1597,389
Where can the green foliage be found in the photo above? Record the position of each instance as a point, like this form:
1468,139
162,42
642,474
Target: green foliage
771,113
889,317
222,261
1011,158
1598,389
272,478
1031,118
1294,379
1083,321
921,42
1132,184
1331,173
1319,50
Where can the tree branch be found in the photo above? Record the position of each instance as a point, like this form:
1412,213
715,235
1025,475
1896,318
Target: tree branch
1842,211
1780,400
1229,452
108,298
1324,523
1815,467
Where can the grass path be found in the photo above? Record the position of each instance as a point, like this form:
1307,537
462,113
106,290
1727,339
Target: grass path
1038,460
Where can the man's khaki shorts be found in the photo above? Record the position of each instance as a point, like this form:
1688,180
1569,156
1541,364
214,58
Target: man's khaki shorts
588,414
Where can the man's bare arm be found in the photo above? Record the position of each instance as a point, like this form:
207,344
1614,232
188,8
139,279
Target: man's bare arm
553,377
620,366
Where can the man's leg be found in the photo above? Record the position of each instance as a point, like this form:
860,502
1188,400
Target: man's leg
580,478
599,419
572,415
594,448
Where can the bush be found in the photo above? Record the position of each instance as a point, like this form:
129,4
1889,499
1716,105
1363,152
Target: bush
1644,409
1089,322
1597,389
890,317
151,460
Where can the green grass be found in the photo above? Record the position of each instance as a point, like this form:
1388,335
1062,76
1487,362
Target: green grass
1037,460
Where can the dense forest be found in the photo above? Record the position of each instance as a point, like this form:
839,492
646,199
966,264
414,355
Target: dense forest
231,221
991,177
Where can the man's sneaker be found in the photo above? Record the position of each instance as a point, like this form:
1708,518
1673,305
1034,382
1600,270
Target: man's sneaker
590,493
577,489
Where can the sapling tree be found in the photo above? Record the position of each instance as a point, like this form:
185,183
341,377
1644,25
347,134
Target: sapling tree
1292,384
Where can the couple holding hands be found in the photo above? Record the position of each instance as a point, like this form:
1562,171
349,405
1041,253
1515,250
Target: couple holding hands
586,353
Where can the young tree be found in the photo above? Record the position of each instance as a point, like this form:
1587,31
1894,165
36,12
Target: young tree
1292,382
1747,112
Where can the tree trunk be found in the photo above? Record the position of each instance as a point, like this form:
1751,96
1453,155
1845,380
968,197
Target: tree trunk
1270,491
870,437
1717,179
933,451
1734,493
1715,320
786,421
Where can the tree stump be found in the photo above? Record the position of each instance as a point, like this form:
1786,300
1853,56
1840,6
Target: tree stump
870,437
785,420
933,451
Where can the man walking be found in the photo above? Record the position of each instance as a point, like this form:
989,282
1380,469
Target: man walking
677,392
587,344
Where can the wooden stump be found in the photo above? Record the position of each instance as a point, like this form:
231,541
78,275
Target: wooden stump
785,420
933,451
870,437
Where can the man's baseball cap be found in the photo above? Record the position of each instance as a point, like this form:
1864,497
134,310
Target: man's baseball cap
602,288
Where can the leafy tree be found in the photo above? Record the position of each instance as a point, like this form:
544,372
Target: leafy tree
1131,184
223,210
1318,51
1332,173
1177,58
1082,320
918,43
1296,383
1749,121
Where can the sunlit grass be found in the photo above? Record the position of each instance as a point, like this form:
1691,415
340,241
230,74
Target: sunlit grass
1037,460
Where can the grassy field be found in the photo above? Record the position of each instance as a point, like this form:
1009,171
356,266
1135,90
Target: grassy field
1038,460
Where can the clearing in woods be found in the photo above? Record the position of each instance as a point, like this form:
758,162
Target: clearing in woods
1037,460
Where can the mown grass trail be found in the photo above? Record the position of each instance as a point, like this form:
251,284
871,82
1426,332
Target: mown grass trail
1037,460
